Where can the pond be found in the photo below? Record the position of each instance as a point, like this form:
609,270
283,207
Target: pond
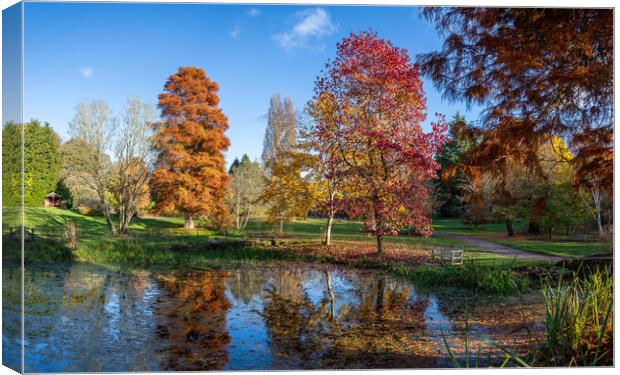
84,318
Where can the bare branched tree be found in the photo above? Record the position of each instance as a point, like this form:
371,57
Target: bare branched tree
244,191
94,124
134,160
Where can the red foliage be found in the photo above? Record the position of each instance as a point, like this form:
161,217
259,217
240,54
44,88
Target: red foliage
368,107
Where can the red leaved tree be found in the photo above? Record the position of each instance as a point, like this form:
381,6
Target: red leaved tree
368,108
190,175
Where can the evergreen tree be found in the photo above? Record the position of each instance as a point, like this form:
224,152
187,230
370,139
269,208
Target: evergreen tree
11,164
42,162
449,185
236,163
233,165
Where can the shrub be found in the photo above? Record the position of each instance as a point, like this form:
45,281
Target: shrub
89,211
487,279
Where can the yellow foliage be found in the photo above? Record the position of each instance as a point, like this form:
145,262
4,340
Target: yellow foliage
290,190
555,160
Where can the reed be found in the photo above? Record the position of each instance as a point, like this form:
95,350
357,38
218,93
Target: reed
578,319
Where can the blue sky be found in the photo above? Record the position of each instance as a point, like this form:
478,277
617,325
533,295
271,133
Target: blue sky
111,51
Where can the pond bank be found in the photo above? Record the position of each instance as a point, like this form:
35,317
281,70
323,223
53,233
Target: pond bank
209,253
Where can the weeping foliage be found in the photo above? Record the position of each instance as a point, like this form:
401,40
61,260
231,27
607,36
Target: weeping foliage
538,72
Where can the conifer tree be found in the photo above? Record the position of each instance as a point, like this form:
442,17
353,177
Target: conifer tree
190,175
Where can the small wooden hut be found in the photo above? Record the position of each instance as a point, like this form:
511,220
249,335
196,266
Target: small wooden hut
52,200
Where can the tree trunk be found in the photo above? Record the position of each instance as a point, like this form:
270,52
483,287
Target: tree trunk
244,220
71,234
380,297
595,207
124,222
533,228
599,223
123,227
509,228
379,244
238,214
328,230
108,218
332,296
189,222
596,199
281,225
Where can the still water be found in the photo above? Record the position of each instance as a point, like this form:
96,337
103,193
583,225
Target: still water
81,317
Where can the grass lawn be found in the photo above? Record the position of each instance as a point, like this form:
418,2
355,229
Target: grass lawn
342,230
558,248
93,230
454,225
165,231
496,232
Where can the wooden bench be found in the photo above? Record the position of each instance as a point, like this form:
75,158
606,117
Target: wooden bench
454,256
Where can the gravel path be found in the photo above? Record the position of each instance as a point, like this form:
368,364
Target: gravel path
499,249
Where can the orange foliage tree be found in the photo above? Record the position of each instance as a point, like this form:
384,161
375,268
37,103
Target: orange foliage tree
539,73
190,174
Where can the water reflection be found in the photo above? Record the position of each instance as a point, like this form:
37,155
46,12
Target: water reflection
191,321
278,316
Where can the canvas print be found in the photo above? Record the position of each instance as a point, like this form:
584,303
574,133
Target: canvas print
200,187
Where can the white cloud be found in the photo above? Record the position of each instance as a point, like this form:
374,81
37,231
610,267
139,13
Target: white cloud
87,72
253,12
313,24
235,32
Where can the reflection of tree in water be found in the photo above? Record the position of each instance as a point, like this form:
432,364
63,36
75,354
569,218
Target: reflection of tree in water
191,321
245,284
295,325
381,328
376,327
84,290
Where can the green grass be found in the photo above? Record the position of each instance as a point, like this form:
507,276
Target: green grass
343,230
496,232
54,219
454,225
165,231
494,278
557,248
199,255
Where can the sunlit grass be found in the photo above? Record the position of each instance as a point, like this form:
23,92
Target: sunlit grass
557,248
454,225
